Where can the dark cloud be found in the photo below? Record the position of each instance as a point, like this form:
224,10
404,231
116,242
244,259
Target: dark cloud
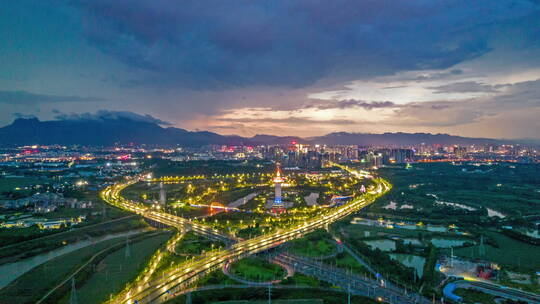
466,87
394,87
23,116
440,106
24,97
107,115
438,75
290,120
437,114
521,95
215,44
350,103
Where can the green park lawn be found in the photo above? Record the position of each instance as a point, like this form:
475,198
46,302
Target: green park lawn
256,269
315,244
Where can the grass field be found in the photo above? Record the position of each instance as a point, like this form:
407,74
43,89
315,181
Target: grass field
516,254
346,261
116,270
32,285
315,244
9,184
474,296
256,269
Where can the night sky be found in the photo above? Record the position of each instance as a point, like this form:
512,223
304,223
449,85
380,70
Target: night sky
285,67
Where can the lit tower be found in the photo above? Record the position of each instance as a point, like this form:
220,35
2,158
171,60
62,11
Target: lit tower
278,179
162,195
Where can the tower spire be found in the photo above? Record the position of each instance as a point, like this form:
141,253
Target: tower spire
278,179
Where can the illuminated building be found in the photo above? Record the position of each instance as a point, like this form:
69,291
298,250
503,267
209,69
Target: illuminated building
460,152
278,180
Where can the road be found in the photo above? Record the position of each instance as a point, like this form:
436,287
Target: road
498,290
164,288
112,196
82,267
358,285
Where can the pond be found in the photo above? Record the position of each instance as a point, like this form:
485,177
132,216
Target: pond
532,233
242,201
412,241
447,243
311,199
383,245
409,260
402,225
431,228
493,213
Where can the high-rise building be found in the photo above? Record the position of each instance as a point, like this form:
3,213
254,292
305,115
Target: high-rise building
460,152
401,156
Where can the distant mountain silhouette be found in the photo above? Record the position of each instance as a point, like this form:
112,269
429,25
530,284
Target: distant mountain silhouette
122,130
398,139
275,140
103,132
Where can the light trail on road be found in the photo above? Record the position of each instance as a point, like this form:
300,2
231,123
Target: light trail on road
165,287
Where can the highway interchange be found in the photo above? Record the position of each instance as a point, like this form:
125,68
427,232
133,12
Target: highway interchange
163,288
159,289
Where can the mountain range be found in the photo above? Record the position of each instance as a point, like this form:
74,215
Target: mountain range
122,130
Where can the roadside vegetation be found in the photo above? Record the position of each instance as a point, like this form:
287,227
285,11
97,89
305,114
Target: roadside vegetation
279,295
25,248
33,285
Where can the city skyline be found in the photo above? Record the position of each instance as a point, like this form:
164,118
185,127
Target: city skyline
305,68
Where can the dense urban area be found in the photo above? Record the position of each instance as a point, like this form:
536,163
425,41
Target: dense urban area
140,224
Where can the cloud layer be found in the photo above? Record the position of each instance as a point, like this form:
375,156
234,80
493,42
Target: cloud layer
301,67
24,97
217,45
110,115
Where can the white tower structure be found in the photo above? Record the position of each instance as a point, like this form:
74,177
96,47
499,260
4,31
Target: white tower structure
278,179
162,194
